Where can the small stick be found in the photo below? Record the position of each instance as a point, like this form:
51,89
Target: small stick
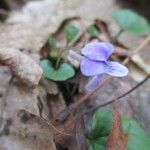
119,97
137,50
92,110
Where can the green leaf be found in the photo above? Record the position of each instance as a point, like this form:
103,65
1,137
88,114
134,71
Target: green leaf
138,140
93,31
64,72
102,123
52,43
71,32
101,127
131,21
97,144
132,126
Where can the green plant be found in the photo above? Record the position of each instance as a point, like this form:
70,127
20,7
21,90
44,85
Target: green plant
101,128
62,73
71,32
130,21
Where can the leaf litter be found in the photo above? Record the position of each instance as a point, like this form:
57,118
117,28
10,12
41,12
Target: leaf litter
24,125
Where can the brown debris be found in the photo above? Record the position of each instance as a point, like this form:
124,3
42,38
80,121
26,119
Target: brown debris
117,139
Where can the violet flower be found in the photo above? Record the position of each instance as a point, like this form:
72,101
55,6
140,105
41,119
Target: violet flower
95,63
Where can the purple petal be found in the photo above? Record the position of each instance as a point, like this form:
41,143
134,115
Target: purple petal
94,82
98,51
89,67
116,69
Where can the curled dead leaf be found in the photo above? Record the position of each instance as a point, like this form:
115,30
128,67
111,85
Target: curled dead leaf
23,67
117,139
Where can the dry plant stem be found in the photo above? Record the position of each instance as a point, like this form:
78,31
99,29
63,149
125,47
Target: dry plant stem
22,66
142,45
85,97
103,30
119,33
91,111
137,50
66,112
119,97
55,129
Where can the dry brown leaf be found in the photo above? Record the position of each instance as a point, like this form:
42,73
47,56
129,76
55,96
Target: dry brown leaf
27,30
117,139
79,136
26,131
20,97
21,65
56,103
20,130
50,86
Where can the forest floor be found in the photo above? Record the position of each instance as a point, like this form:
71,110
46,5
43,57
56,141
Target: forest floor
28,100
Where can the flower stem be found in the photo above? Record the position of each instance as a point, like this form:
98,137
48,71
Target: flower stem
118,34
59,58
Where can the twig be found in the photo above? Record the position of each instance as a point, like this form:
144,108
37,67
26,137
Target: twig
119,97
118,34
137,50
103,29
142,45
92,110
70,109
50,124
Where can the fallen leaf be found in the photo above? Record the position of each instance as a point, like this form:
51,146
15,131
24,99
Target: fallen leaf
26,131
79,136
20,64
50,86
21,125
117,140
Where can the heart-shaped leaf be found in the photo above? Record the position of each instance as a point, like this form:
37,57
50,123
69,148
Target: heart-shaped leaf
131,21
138,140
101,127
71,32
102,124
64,72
